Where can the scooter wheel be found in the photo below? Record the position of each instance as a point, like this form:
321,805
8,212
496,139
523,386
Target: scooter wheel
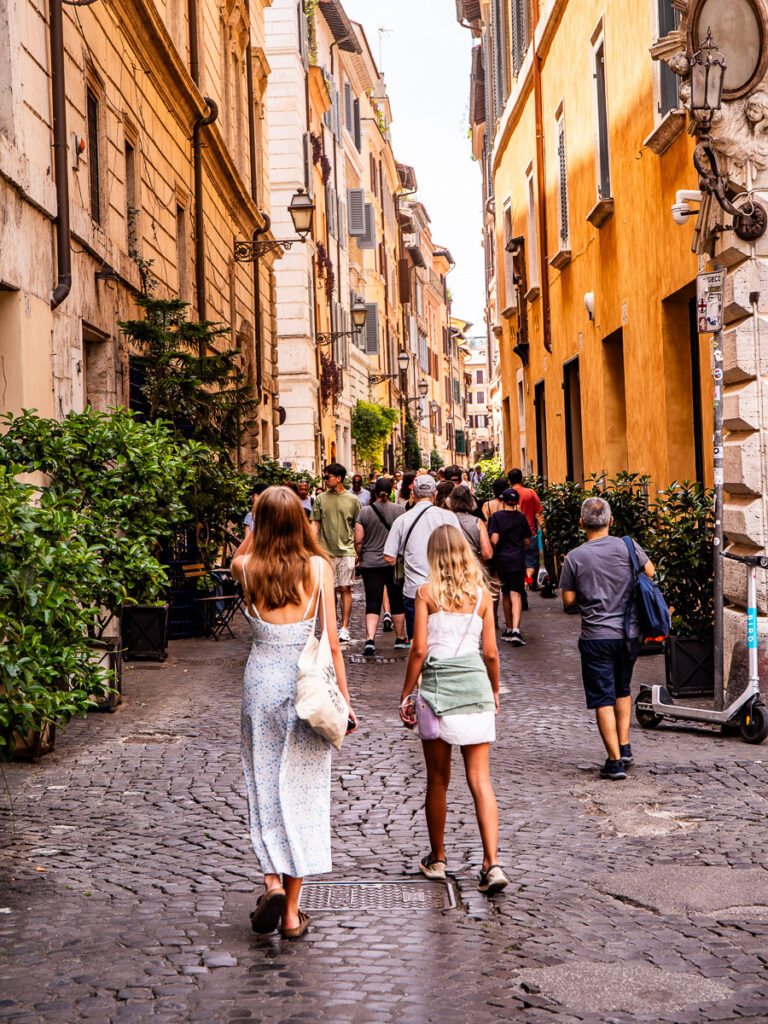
753,725
646,718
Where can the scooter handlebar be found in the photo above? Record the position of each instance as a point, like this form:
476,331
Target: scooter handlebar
760,560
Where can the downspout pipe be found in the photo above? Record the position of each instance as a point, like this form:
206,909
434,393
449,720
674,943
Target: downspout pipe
209,118
541,188
257,319
61,170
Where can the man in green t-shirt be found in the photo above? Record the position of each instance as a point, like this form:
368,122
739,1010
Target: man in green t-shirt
333,519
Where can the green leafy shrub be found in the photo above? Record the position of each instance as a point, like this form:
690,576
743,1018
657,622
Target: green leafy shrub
48,575
371,425
411,452
493,469
435,458
127,480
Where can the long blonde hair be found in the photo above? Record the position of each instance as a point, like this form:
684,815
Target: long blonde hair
454,571
280,548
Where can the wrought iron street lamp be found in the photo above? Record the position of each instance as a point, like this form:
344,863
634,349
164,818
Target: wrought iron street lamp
301,209
403,361
707,75
359,312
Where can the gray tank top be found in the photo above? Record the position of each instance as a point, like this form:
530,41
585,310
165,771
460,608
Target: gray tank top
470,529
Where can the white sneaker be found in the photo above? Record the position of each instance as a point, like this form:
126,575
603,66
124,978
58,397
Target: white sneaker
344,637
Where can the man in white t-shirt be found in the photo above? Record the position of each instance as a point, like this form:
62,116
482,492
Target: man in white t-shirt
409,537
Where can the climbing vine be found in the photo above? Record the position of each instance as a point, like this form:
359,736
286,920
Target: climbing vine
371,427
331,381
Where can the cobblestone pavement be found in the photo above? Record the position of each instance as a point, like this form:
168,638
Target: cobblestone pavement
127,877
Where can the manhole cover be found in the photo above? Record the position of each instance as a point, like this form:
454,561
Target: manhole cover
358,659
406,895
151,737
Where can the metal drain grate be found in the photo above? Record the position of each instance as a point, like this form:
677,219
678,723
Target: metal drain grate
358,659
405,895
151,737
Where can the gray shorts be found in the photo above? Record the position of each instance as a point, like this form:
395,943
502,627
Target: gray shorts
343,570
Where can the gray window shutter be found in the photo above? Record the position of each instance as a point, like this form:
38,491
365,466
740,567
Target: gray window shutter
356,118
356,204
303,37
563,183
371,329
349,113
337,113
368,239
306,146
342,222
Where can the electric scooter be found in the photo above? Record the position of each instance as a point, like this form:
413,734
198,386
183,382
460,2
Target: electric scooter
747,711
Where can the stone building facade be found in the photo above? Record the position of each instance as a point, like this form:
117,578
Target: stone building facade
127,95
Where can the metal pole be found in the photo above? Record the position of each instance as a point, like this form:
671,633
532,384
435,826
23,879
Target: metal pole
717,374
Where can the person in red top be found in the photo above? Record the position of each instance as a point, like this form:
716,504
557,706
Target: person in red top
531,507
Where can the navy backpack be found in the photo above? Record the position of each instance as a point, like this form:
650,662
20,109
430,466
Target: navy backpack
652,612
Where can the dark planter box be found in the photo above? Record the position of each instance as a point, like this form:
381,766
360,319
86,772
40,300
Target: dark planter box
144,630
108,652
32,746
690,666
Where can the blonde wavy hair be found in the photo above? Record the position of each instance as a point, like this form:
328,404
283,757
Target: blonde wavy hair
455,573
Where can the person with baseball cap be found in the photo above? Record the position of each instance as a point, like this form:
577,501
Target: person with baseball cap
510,535
409,536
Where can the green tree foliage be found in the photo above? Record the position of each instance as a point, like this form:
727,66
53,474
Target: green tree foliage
435,458
411,452
371,426
49,573
492,469
205,398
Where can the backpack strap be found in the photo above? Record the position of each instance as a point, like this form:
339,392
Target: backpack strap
387,526
631,597
411,529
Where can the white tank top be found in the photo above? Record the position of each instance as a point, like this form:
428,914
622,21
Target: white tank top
450,634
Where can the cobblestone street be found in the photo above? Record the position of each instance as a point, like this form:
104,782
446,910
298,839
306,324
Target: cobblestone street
127,875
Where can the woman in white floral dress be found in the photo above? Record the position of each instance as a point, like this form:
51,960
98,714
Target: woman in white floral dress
287,765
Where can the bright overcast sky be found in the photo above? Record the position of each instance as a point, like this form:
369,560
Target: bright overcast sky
425,57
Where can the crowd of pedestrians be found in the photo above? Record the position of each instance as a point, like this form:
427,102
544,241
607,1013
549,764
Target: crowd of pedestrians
435,562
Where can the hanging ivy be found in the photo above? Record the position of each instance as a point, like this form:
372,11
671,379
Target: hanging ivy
310,6
325,270
331,381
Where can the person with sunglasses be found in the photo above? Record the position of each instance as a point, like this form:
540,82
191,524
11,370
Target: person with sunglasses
333,519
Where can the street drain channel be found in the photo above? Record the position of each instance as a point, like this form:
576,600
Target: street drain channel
359,895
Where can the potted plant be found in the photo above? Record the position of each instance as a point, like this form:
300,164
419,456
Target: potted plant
48,571
682,550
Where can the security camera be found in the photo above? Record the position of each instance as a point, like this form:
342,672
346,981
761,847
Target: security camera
589,304
681,211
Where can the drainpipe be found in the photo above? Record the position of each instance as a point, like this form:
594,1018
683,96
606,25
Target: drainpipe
541,190
255,196
210,117
61,170
194,43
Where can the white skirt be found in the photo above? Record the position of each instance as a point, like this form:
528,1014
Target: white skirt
464,730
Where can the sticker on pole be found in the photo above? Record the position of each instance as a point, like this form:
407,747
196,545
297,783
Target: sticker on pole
709,301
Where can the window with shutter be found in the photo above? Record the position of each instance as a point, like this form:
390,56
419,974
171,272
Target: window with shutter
306,143
669,95
413,335
342,222
533,234
562,183
356,207
456,390
303,36
356,120
371,329
349,114
330,209
368,239
601,109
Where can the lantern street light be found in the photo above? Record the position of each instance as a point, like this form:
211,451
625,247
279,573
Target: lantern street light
423,388
403,361
707,75
359,312
301,209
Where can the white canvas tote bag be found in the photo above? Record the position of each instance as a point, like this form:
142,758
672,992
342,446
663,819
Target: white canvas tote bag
319,701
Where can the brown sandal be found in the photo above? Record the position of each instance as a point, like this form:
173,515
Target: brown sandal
298,931
270,908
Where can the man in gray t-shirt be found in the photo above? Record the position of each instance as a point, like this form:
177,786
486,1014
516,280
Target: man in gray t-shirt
597,580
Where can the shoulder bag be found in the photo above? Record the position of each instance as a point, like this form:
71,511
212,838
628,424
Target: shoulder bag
398,572
319,701
653,615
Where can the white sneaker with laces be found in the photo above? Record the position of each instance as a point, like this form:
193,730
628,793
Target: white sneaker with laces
344,637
